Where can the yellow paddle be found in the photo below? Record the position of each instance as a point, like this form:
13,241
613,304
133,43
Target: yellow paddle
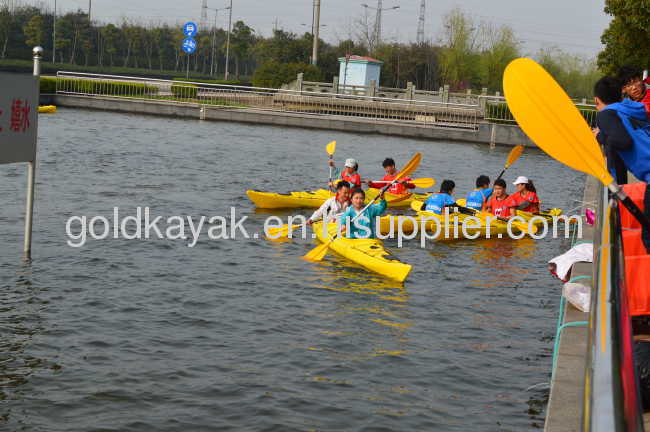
330,148
512,158
281,232
423,183
549,118
319,252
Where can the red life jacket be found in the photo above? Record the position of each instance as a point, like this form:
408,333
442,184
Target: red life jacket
353,179
500,208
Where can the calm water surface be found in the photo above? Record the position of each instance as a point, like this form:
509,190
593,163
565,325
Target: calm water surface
244,335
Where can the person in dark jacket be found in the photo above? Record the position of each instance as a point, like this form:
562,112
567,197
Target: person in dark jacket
611,132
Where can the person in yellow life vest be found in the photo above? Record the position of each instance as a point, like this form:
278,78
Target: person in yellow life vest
349,174
399,188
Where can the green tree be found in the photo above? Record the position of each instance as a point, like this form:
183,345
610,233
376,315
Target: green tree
458,60
33,31
274,74
241,41
111,37
628,35
500,48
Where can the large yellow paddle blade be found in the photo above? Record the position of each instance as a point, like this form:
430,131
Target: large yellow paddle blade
549,118
515,153
331,148
424,182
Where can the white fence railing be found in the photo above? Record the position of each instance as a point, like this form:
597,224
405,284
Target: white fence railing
223,96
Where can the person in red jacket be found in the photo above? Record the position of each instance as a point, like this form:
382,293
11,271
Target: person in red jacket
499,202
349,174
634,86
399,188
525,198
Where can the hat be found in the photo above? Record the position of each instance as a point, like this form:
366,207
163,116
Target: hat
521,180
351,163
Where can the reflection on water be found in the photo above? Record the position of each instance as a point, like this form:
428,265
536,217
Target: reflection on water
20,322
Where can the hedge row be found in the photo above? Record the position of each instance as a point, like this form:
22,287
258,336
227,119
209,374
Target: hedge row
204,81
117,88
186,90
501,110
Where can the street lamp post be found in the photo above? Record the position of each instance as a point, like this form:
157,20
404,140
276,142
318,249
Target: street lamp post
214,38
313,36
315,32
377,31
225,76
54,35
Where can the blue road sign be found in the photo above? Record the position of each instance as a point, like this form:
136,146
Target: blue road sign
190,29
189,45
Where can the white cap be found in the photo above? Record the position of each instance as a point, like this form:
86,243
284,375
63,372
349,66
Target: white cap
350,163
521,180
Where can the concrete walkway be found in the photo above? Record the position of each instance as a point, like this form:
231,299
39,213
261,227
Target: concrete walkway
565,405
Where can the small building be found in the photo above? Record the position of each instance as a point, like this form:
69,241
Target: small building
359,71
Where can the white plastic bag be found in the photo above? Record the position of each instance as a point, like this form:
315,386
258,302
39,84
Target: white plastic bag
578,295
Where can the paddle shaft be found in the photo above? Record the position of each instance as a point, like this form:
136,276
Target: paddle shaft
502,173
330,158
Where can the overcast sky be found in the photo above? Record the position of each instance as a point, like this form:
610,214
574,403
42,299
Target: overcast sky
573,25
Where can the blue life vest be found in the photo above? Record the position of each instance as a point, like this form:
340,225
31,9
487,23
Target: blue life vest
477,197
634,118
436,202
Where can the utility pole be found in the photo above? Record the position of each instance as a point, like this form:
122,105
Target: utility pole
315,32
54,35
213,69
420,39
377,30
225,76
377,36
90,7
204,15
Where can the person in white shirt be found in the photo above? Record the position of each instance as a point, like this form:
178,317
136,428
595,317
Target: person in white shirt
334,206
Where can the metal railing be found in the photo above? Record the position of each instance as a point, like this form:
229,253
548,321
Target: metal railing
495,110
221,96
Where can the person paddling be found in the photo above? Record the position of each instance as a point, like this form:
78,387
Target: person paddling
499,202
333,207
364,226
399,188
350,172
477,198
525,198
438,201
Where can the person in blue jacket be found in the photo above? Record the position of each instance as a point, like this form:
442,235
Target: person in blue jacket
438,201
477,198
364,226
623,130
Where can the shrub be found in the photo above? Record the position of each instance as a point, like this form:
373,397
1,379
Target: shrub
116,88
188,91
47,85
273,74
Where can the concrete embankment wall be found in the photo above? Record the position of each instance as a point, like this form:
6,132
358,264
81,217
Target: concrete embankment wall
500,134
565,405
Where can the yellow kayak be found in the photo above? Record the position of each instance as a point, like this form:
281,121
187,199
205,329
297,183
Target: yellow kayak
47,109
547,214
314,199
368,253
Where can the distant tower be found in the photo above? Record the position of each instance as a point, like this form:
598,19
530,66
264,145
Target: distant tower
203,25
423,6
